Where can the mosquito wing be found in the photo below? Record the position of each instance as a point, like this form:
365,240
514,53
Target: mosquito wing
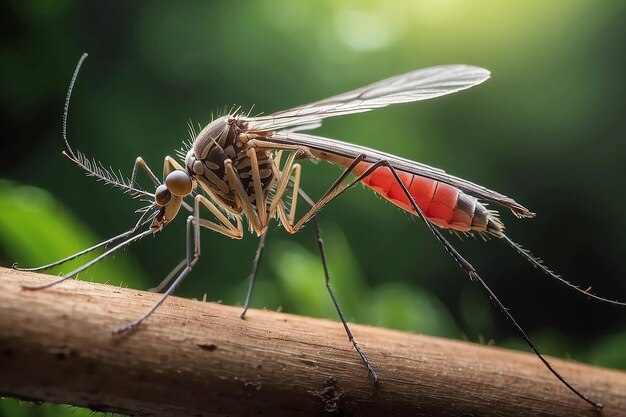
342,153
413,86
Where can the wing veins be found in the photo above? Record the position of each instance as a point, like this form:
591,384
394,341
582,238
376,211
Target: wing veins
413,86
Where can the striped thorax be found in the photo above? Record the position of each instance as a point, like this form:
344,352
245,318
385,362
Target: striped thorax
217,143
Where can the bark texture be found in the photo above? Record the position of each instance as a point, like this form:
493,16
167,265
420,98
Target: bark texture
200,359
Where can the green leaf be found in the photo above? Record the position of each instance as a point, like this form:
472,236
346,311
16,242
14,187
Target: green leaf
35,229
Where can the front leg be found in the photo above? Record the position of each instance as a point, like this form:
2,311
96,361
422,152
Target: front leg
223,226
140,163
170,164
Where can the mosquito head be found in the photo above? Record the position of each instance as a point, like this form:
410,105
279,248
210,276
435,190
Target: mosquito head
162,195
169,196
177,183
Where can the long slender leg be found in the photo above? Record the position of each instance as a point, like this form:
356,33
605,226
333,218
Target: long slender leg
288,223
471,271
194,222
335,191
88,264
142,221
168,278
140,163
193,255
320,245
226,228
287,220
283,180
253,274
75,255
296,172
280,189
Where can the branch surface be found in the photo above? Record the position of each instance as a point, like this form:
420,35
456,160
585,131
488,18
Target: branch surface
195,358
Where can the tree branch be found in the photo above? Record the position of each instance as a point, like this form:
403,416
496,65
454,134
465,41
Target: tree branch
195,359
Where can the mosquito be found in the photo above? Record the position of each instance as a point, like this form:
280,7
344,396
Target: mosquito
241,167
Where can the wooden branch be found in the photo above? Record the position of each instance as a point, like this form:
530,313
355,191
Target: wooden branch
196,359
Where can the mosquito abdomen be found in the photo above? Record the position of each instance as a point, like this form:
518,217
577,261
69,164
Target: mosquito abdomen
444,205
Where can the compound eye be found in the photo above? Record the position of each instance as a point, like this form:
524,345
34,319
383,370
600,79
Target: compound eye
179,183
162,195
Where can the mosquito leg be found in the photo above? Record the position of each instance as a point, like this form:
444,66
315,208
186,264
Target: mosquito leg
76,255
471,271
142,221
168,278
88,264
289,169
225,227
253,274
193,255
320,244
296,170
170,164
140,163
282,180
251,213
288,222
280,190
193,252
335,191
289,219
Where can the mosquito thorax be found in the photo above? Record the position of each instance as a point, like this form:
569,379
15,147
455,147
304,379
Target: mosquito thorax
213,145
216,144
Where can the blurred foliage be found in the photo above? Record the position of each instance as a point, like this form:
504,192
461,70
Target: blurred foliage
11,407
35,229
548,129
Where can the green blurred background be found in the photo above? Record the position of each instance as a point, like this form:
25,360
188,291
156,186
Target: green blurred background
548,129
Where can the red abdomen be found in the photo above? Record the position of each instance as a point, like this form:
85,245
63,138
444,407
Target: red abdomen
444,205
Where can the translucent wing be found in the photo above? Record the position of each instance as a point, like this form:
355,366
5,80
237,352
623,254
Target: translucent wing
413,86
343,153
